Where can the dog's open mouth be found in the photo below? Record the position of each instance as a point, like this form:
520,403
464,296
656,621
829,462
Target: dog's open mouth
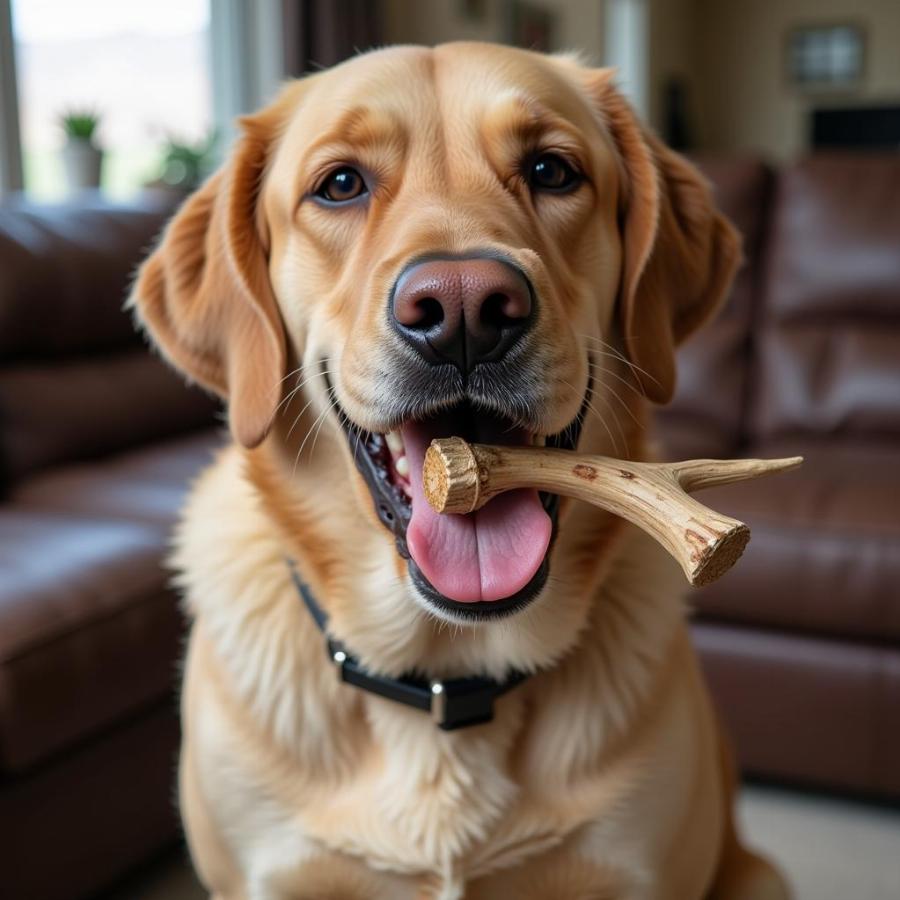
487,563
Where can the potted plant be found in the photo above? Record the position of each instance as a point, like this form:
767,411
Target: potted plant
82,157
184,166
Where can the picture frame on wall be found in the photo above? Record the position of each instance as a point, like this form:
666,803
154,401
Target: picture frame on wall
826,57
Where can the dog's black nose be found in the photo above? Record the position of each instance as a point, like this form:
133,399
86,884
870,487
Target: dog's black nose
463,311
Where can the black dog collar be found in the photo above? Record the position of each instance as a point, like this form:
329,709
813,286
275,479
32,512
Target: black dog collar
454,703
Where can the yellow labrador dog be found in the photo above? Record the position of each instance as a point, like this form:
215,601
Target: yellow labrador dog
381,702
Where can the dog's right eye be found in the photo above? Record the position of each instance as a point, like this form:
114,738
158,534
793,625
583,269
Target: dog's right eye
550,172
342,185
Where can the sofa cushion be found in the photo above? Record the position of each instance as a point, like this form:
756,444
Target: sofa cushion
830,311
76,380
83,408
88,629
144,485
63,274
824,554
707,414
806,709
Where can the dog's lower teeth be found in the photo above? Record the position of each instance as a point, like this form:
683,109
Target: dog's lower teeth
401,464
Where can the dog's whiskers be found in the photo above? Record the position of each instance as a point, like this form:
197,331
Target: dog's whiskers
290,374
638,392
320,418
601,372
615,419
590,406
359,437
299,416
609,350
312,449
301,384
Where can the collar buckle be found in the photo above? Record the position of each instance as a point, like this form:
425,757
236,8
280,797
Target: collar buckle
460,702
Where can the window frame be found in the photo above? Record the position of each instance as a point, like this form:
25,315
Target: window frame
247,65
11,172
626,49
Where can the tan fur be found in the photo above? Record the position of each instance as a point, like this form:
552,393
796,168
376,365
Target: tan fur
602,775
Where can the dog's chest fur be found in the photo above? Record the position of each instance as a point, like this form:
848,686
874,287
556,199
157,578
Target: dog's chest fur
291,763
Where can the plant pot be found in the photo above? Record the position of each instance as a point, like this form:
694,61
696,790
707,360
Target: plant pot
82,161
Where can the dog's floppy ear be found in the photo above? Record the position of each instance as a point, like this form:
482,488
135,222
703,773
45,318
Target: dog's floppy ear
680,253
204,294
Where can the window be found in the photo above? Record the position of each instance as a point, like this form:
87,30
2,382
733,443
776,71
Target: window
144,68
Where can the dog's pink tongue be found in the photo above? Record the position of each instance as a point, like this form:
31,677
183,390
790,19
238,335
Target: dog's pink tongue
487,555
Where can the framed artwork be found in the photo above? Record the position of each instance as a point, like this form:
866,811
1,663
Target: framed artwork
531,26
826,56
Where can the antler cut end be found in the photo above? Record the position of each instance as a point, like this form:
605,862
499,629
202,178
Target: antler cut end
719,557
450,476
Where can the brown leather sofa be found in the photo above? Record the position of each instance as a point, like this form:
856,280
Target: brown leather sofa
98,440
801,640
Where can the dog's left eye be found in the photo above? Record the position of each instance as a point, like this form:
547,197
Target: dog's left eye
342,185
550,172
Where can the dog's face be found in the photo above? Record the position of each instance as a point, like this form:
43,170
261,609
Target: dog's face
440,242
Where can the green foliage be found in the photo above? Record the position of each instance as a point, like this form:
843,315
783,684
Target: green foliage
185,165
80,124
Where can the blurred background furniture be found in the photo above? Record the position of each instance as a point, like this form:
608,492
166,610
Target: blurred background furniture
98,440
801,640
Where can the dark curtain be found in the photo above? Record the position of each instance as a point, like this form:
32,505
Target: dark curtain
320,33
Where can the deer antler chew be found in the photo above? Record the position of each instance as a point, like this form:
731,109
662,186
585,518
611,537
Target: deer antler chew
460,477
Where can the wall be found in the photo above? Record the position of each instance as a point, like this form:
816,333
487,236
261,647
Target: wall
741,98
579,23
729,53
670,52
658,37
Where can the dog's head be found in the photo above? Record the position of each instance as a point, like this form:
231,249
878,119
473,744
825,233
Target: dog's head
437,242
